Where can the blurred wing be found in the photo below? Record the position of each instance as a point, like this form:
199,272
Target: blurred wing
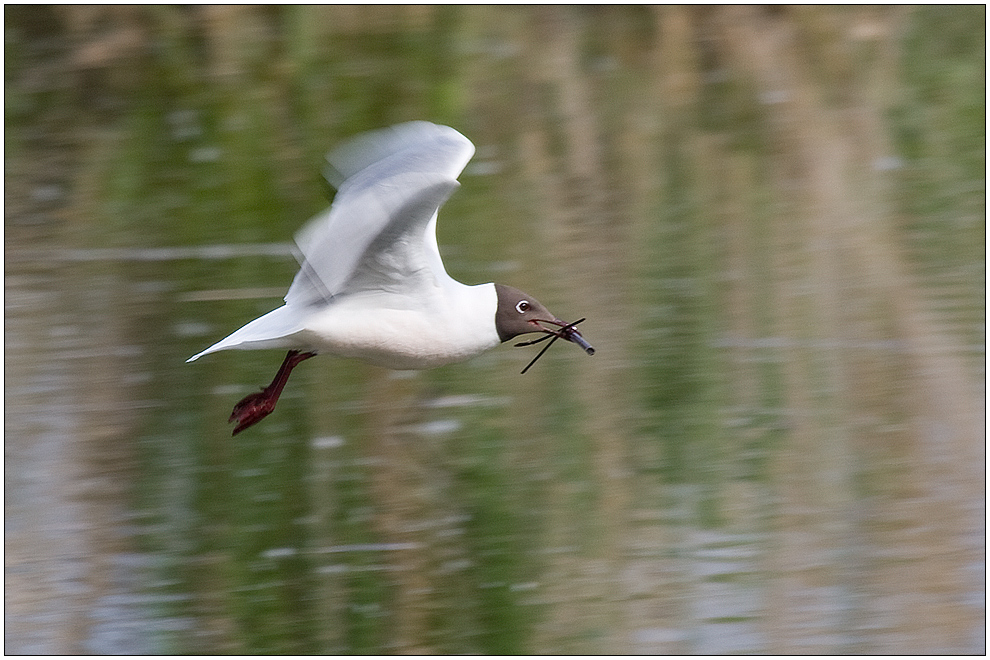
425,147
381,226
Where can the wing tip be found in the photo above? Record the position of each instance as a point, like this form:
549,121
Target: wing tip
365,149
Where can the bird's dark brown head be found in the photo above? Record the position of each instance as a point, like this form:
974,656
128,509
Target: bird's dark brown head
519,313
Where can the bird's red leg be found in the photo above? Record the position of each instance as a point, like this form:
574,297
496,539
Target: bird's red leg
255,407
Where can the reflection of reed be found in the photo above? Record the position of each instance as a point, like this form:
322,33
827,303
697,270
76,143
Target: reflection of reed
403,511
855,281
584,225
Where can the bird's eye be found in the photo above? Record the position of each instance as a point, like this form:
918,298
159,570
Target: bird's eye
522,306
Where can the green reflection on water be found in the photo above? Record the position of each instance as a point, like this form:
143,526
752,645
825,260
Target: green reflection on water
375,514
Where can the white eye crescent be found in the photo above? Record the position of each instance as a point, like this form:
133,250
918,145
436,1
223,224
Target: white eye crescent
522,306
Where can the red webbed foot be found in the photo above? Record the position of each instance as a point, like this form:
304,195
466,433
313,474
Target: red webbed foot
255,407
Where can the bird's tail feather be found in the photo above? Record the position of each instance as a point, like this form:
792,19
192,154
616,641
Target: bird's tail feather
268,331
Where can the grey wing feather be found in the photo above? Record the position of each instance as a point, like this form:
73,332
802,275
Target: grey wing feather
391,183
399,259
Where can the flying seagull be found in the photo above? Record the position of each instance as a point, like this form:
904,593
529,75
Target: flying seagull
371,283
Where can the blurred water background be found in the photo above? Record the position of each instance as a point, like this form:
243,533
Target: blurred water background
772,218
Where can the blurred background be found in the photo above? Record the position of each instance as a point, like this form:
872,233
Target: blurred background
773,219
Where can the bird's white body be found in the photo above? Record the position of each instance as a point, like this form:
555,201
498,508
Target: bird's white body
381,331
452,328
372,284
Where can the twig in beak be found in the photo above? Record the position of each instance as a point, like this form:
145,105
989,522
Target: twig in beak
553,335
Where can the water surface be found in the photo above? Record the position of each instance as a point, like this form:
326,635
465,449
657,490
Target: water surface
773,220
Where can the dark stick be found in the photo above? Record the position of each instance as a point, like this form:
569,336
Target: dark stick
553,335
540,354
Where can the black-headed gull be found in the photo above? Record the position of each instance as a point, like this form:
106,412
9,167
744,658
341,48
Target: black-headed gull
372,284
